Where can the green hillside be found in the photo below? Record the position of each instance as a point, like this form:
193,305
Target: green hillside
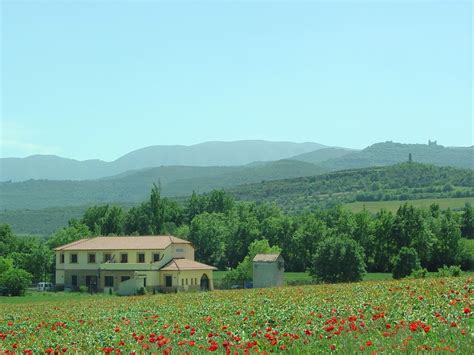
389,153
321,155
135,186
398,182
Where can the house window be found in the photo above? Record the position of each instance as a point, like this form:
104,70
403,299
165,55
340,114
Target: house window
156,257
91,258
61,258
141,257
124,278
124,258
168,281
74,280
186,281
107,257
180,250
73,258
182,282
109,281
144,282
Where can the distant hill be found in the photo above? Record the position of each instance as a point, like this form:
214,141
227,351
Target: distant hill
397,182
324,154
389,153
135,186
205,154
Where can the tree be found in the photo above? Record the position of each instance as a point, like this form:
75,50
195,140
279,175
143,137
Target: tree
364,231
447,245
244,229
208,233
75,231
405,263
338,259
94,218
410,229
5,264
138,220
384,245
14,282
7,240
113,221
467,226
157,209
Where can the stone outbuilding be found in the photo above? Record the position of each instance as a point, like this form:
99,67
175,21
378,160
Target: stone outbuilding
268,270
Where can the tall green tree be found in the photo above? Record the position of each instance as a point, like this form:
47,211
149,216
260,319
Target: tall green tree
467,226
208,233
338,259
384,244
7,240
448,242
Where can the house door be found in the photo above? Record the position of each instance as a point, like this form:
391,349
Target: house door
168,281
204,283
91,283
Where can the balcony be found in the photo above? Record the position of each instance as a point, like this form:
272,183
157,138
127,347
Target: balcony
135,266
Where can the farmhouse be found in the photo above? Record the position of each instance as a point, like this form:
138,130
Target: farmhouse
268,270
155,262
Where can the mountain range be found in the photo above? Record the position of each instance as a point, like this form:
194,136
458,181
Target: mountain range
204,154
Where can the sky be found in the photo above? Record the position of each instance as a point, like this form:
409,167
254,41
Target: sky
97,79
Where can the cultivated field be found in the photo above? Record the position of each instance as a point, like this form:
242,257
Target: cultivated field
444,203
411,315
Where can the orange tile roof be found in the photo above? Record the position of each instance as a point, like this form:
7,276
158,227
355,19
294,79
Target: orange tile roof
181,264
124,243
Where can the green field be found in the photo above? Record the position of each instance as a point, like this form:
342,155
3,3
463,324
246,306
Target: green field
444,203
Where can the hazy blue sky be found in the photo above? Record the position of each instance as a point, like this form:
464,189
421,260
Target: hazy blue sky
96,79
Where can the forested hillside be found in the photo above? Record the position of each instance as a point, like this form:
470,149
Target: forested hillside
324,154
398,182
134,186
406,181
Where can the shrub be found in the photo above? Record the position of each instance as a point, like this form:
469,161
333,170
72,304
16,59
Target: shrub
141,291
338,260
405,263
451,271
419,274
14,282
83,289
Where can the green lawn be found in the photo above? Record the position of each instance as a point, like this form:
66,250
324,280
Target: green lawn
444,203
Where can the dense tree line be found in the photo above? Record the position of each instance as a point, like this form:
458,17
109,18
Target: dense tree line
223,230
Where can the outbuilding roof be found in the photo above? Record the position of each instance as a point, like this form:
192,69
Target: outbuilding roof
266,257
124,243
181,264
